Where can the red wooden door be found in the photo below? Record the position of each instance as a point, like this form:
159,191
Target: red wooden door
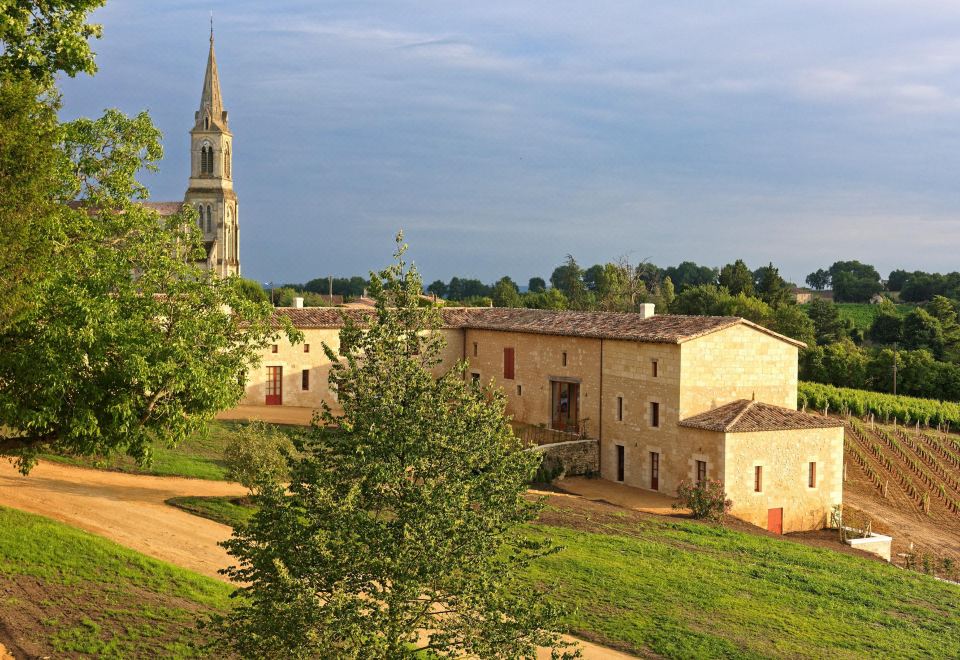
274,386
655,470
775,521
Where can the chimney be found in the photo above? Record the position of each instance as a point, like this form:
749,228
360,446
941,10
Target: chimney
298,302
646,310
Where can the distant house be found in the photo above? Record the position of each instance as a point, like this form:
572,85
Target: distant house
664,398
803,295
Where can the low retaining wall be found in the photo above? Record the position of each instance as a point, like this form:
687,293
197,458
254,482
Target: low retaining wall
575,458
876,544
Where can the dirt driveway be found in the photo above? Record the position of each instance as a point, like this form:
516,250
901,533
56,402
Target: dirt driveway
125,508
130,510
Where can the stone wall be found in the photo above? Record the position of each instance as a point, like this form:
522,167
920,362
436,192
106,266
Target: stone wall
785,457
576,457
736,363
538,359
296,358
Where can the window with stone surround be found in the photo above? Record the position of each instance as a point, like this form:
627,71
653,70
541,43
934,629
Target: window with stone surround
701,471
563,359
619,408
758,479
655,368
812,475
305,380
654,414
508,363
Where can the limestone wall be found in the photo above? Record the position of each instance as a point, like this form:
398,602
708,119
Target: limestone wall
629,378
538,360
577,457
737,363
785,457
296,358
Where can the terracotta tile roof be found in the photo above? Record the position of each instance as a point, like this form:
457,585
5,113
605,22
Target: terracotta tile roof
332,317
163,208
744,416
662,329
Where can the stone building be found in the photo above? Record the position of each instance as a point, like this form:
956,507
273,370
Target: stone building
666,398
210,187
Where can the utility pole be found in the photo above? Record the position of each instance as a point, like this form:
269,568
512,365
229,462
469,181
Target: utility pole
894,368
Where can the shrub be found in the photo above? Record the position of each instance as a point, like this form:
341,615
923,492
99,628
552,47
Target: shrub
258,453
706,499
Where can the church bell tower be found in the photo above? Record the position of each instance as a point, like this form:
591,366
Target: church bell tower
211,176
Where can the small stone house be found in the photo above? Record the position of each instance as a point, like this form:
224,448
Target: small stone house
666,398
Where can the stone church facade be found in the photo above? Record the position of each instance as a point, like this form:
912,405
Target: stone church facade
210,188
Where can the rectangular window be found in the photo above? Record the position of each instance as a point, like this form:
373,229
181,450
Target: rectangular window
475,377
306,348
519,390
654,368
758,479
474,349
508,363
619,408
274,348
654,414
620,462
655,470
812,476
701,471
305,379
564,358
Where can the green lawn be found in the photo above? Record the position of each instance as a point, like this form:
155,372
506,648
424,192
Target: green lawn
684,589
64,592
199,456
225,510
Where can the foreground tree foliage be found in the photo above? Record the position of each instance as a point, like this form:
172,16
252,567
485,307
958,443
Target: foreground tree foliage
400,531
112,337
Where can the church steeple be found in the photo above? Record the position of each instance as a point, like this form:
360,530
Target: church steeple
211,175
211,114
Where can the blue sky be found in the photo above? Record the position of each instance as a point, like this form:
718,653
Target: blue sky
502,135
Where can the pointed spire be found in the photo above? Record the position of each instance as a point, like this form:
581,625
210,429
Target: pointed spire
211,103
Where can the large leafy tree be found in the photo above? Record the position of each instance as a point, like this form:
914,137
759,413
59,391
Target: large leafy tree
506,293
37,41
111,338
737,277
399,532
129,343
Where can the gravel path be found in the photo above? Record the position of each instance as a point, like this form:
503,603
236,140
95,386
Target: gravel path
131,510
125,508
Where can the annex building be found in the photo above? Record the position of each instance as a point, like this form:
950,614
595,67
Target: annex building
665,398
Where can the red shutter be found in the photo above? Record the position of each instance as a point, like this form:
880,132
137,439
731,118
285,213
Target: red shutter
508,363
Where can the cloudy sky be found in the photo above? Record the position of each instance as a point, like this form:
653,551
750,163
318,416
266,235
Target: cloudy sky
502,135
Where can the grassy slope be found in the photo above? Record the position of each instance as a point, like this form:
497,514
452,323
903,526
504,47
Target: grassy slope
684,589
200,457
70,592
